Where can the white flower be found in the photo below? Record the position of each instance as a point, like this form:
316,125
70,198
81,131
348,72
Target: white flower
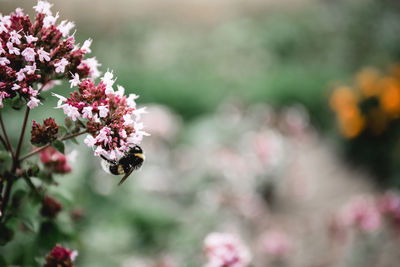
30,69
60,65
96,118
19,12
65,27
75,80
32,92
15,37
86,46
128,120
130,100
99,151
122,133
30,39
2,28
4,61
12,49
103,111
50,20
108,81
15,87
61,99
29,54
104,135
93,65
20,75
121,90
87,112
138,112
43,7
89,141
43,55
71,111
34,102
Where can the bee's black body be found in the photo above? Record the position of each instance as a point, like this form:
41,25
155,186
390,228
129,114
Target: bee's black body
131,161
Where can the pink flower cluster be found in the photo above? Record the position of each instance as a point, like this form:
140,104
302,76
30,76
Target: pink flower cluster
225,250
38,52
112,119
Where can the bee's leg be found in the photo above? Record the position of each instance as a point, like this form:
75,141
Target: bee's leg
108,160
127,168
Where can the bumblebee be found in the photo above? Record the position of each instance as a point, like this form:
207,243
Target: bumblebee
132,160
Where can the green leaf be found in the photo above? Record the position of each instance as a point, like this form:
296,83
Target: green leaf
74,141
17,103
59,145
62,130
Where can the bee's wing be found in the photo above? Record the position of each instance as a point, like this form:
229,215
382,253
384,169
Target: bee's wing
125,176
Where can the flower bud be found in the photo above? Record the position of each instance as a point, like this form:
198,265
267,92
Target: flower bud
44,134
50,207
60,257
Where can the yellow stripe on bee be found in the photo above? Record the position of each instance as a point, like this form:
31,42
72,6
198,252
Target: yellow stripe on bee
120,169
139,155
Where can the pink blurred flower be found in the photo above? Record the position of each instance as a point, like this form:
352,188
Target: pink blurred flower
275,243
361,212
225,250
54,160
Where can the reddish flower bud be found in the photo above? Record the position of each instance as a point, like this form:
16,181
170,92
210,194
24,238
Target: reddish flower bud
54,160
60,257
44,134
50,207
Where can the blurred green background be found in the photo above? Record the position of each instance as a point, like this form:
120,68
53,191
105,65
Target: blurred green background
193,57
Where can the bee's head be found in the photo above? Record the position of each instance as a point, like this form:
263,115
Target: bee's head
136,149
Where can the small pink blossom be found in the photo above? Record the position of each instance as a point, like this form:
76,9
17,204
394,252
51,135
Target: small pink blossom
30,39
90,141
20,75
12,49
87,112
71,112
75,80
4,61
50,20
131,100
15,37
29,54
103,111
93,65
65,27
34,102
43,55
30,69
86,46
60,65
43,7
15,87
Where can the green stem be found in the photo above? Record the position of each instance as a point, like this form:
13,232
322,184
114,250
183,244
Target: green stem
6,137
40,149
